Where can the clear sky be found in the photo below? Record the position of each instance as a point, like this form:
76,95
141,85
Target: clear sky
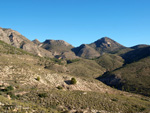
79,21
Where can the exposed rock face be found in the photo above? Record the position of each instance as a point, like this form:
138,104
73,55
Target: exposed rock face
106,45
17,40
86,51
3,36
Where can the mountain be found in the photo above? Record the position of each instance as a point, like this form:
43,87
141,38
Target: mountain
17,40
27,86
106,45
98,48
56,46
39,84
85,51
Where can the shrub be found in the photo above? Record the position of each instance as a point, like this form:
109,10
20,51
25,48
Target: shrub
38,78
59,87
72,61
12,95
10,88
73,81
114,99
42,95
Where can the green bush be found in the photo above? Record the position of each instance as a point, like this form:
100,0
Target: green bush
12,95
59,87
73,81
42,95
72,61
38,78
9,88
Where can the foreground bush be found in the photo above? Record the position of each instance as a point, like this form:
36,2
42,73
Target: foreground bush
73,81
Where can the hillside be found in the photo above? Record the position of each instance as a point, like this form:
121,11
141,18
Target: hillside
85,51
27,86
136,54
110,61
133,77
139,46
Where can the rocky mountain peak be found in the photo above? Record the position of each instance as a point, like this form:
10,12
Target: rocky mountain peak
106,44
105,41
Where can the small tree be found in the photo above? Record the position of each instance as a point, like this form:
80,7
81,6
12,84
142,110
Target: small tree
73,81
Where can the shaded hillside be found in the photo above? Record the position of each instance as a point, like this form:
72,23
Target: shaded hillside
17,40
85,51
134,77
136,54
139,46
106,45
122,51
110,61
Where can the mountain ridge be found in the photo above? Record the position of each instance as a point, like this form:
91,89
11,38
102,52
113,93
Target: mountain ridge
52,48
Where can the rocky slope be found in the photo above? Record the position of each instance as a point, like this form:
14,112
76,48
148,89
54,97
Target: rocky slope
17,40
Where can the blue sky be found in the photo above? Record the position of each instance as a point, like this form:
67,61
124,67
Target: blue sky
79,21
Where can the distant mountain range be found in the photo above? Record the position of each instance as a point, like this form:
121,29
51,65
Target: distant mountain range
52,48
